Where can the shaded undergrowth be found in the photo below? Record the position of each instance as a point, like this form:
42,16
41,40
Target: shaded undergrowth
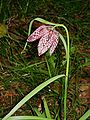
20,73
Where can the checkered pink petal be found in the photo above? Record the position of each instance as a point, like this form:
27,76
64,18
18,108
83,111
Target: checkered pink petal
45,43
55,38
38,33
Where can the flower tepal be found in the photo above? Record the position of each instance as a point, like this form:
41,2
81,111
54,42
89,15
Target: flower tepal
55,40
48,39
37,34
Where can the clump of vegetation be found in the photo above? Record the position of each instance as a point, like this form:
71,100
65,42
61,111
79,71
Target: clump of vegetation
22,71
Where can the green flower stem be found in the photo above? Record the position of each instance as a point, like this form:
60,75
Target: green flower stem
66,79
67,67
49,70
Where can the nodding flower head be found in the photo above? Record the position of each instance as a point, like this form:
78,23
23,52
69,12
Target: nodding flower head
48,38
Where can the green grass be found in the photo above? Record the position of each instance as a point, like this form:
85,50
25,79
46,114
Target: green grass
23,68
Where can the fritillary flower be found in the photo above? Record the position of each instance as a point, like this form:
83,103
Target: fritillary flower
48,38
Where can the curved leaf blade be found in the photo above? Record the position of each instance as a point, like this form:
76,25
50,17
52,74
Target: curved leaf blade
31,94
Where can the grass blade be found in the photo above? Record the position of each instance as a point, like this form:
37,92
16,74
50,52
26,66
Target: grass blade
46,109
37,112
86,115
28,118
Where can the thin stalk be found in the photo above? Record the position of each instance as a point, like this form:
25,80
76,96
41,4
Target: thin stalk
66,78
29,31
49,71
67,68
23,51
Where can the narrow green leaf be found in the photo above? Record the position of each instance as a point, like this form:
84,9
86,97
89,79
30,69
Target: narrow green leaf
64,42
37,112
46,109
31,94
30,26
86,115
29,66
28,118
